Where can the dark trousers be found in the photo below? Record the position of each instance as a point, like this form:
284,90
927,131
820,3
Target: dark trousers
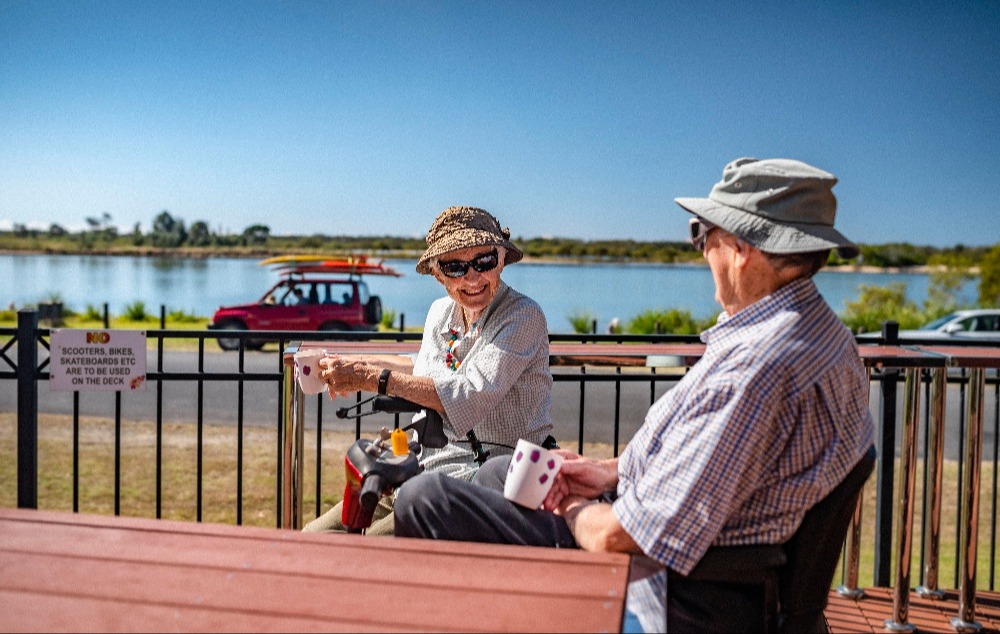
712,606
438,507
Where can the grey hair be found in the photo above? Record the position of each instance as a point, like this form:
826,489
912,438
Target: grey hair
809,263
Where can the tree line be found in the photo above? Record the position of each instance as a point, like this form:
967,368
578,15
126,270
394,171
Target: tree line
169,233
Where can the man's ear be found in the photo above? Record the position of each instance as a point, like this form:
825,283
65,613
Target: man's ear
743,253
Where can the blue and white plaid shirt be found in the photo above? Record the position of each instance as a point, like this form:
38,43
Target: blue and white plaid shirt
767,423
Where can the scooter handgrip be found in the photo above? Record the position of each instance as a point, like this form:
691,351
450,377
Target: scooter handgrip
371,492
394,405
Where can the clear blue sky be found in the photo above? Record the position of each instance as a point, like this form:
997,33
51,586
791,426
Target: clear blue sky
575,119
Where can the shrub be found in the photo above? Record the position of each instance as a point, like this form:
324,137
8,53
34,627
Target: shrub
674,321
180,316
877,304
388,318
92,313
989,278
136,311
582,321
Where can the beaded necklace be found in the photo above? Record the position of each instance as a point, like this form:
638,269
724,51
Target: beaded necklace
449,358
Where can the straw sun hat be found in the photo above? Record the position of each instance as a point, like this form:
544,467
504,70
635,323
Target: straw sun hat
463,227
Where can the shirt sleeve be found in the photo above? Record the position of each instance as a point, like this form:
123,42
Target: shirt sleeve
494,365
679,505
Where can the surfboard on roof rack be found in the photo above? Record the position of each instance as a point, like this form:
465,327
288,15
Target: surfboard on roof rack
346,265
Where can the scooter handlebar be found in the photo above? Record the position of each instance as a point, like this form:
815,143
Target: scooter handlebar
394,405
371,491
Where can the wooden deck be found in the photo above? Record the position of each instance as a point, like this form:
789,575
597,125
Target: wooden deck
66,572
870,613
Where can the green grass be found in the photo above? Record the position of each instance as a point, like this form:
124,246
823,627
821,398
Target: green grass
180,489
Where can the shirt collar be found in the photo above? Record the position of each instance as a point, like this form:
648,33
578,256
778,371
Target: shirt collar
796,293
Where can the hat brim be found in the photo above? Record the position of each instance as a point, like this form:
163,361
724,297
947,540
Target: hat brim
466,239
768,235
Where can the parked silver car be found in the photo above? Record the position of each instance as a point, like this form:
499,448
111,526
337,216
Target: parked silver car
976,325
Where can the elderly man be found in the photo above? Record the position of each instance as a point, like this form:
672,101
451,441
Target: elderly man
765,425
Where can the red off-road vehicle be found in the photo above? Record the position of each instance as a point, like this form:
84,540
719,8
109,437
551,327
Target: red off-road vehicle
315,293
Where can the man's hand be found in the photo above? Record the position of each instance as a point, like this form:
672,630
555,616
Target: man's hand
581,477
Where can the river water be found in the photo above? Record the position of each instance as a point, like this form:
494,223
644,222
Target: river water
199,286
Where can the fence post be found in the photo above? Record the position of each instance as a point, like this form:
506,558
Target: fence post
27,409
932,485
907,484
292,438
965,621
886,463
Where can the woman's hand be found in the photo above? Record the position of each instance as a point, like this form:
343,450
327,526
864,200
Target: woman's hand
346,375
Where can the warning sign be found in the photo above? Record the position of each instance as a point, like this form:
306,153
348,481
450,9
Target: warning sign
97,360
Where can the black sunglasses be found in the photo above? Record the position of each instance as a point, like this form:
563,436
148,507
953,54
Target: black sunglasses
699,232
481,263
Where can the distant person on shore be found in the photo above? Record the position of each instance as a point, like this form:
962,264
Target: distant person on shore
483,362
765,425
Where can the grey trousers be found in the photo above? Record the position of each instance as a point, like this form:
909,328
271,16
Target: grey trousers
434,506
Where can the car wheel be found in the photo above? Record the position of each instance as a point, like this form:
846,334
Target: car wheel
230,343
373,311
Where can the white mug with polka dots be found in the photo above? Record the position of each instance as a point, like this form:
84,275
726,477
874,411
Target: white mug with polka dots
531,473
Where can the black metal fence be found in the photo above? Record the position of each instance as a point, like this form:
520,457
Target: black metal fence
621,386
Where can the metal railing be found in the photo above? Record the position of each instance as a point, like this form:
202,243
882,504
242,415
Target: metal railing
924,382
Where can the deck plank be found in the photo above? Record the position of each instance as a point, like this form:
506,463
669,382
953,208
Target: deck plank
869,614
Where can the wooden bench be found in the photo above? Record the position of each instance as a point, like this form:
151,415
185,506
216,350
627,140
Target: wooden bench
66,572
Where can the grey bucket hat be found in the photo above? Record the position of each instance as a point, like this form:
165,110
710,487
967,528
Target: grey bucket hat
463,227
777,205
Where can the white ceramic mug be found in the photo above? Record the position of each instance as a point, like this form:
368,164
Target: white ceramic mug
307,371
531,473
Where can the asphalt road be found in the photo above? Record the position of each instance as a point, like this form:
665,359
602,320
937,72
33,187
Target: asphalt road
260,402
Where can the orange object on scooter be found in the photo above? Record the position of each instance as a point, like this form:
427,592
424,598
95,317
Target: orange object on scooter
400,443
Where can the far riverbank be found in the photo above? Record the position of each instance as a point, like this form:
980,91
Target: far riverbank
192,253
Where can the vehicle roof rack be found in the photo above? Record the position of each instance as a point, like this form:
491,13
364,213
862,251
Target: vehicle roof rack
352,265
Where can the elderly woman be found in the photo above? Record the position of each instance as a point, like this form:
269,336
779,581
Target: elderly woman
483,361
